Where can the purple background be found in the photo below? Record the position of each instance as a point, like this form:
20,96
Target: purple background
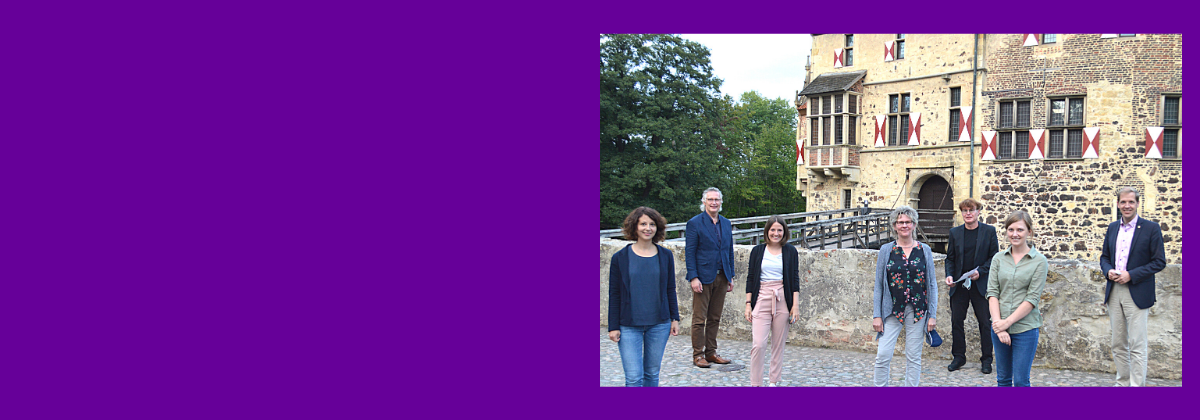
318,211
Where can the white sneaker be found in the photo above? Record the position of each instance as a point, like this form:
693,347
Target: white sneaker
774,384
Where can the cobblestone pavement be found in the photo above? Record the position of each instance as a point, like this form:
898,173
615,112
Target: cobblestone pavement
809,366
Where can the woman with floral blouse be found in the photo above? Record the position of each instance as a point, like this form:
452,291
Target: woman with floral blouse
905,297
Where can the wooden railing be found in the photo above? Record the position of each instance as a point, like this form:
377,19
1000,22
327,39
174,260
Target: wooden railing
809,229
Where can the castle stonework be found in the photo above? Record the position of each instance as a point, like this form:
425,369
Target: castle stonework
1064,117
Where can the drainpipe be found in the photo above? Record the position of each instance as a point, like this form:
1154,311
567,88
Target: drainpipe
974,83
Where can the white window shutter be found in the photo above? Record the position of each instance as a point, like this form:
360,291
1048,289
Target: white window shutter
880,122
1108,35
988,151
1030,40
1037,143
964,124
1091,142
1154,142
837,57
914,131
889,51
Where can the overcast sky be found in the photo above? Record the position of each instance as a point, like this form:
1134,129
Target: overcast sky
771,64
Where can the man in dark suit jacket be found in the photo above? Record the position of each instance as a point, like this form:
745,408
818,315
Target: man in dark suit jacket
709,257
1132,253
972,245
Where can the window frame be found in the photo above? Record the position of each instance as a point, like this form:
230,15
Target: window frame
898,54
1169,127
955,114
1067,129
1012,129
894,118
848,51
847,198
833,126
1052,41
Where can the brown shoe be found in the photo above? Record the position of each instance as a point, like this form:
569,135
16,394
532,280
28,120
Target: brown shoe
700,362
717,359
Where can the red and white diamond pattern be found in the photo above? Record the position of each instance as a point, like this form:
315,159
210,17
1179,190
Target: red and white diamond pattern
799,152
1037,143
837,57
1030,40
880,121
914,131
889,51
989,146
964,124
1154,142
1091,142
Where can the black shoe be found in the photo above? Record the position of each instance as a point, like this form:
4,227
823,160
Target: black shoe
955,365
986,369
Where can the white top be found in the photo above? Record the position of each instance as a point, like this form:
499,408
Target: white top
772,266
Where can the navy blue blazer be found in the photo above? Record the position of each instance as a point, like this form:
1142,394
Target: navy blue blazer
700,252
620,309
1146,257
986,246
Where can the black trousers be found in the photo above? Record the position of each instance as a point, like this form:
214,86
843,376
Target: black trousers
958,313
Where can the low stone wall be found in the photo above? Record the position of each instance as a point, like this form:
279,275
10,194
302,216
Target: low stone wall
835,310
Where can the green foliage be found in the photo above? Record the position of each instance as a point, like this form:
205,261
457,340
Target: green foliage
659,146
666,134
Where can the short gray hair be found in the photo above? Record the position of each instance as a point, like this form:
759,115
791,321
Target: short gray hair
902,210
1127,190
712,189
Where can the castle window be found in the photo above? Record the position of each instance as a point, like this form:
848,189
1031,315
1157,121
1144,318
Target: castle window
899,46
1049,38
1172,126
898,107
1066,128
848,57
955,112
1013,128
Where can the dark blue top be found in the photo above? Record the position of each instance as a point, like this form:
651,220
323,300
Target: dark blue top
644,289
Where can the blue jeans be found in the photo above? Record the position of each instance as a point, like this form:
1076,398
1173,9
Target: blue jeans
642,350
1014,362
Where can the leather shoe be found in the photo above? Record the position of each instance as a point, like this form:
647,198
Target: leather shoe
700,362
986,369
955,365
717,359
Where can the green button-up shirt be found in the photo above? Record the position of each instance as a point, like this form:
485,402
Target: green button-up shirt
1016,283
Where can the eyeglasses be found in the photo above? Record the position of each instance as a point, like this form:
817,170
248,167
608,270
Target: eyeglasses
904,223
713,200
969,211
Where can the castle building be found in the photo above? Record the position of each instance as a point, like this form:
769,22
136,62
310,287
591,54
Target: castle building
1052,124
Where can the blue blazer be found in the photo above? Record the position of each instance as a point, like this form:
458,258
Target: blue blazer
701,253
1146,257
620,309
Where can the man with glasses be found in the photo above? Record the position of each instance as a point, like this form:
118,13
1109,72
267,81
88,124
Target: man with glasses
709,257
972,246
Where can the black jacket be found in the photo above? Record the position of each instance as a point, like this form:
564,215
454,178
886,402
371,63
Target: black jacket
791,273
986,247
620,311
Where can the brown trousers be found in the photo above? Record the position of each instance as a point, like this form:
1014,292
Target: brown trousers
706,316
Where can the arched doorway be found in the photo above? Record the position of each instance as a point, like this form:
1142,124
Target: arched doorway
935,203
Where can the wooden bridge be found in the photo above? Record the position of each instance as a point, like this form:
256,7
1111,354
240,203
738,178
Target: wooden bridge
865,228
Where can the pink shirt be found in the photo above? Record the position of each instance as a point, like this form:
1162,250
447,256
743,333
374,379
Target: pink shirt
1124,240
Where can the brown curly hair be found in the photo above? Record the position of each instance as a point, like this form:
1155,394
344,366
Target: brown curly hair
629,227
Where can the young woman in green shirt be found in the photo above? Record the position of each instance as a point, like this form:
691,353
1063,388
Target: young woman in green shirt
1014,293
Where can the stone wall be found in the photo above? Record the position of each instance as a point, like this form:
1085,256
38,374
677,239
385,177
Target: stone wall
1073,200
836,290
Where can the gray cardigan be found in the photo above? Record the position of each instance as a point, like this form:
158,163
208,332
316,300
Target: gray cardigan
884,294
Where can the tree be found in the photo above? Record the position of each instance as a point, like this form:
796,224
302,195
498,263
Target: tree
763,140
660,138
